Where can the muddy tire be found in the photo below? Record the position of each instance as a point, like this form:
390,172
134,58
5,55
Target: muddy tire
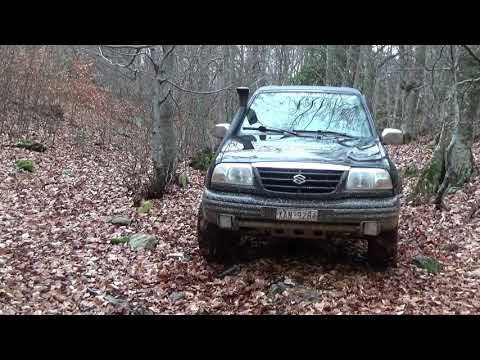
382,250
216,245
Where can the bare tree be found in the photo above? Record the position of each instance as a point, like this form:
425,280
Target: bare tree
452,161
163,134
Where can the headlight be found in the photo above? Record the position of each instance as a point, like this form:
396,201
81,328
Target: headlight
368,179
233,174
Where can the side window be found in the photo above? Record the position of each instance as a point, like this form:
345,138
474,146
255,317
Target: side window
251,116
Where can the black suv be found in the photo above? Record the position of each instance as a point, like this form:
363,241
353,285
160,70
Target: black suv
301,162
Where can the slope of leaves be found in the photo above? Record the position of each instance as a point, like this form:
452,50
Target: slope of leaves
56,255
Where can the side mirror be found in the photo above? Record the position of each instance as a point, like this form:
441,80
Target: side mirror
220,130
392,136
251,116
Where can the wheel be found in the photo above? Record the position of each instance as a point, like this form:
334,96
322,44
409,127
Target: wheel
382,250
216,245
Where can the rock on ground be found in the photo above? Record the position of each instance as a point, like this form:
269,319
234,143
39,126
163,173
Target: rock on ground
119,220
475,273
176,296
395,137
142,241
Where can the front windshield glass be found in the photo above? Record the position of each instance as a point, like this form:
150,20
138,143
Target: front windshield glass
307,112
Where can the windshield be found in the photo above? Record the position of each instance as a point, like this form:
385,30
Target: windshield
307,112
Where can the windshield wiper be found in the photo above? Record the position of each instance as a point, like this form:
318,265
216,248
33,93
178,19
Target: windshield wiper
327,132
335,133
267,129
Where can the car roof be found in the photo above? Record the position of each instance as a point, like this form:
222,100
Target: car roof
325,89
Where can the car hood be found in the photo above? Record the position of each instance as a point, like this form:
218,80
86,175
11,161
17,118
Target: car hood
262,148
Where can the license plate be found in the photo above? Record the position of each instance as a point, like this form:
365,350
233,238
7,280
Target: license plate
297,215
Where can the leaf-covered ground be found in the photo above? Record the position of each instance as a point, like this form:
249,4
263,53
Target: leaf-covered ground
56,256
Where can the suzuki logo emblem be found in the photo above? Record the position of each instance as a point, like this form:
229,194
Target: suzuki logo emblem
299,179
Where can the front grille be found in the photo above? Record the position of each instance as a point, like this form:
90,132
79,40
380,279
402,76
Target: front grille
316,181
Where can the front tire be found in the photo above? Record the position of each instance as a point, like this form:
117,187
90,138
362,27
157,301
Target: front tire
216,245
382,250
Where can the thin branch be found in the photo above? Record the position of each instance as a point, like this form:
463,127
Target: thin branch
165,98
154,64
138,47
196,92
118,64
213,60
468,81
387,59
470,51
174,101
437,60
118,52
167,54
256,81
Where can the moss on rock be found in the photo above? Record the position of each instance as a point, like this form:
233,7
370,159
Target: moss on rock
427,263
145,207
119,240
31,145
183,180
430,177
24,165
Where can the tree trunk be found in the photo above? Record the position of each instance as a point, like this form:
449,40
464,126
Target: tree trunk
163,136
348,65
397,113
335,70
413,95
201,113
227,78
388,104
433,173
376,102
357,78
369,78
255,73
458,156
330,72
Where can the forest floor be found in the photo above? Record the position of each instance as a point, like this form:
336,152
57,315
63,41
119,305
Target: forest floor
56,255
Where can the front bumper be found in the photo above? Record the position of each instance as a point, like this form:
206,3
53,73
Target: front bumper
252,213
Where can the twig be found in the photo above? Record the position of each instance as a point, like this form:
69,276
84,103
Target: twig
473,210
167,54
196,92
466,47
468,81
230,271
134,56
384,61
